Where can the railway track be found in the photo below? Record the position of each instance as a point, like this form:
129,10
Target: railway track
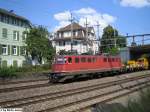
61,94
23,81
82,109
80,105
30,86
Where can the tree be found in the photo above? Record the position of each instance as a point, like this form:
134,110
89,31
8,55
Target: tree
64,52
38,44
111,40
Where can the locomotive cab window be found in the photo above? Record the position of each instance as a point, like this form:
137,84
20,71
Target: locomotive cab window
76,60
69,60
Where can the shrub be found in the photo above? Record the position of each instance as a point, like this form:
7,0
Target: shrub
7,73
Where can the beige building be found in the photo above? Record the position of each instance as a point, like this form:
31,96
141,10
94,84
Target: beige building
83,39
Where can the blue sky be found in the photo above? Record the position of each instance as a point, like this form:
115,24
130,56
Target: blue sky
128,16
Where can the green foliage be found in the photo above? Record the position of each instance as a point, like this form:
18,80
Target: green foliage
15,64
64,52
145,56
4,63
12,71
38,44
112,51
7,72
111,39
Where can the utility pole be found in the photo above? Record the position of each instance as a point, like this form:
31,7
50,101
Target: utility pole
86,34
98,25
71,20
115,38
143,40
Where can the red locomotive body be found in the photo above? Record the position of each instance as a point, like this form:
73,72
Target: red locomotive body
84,64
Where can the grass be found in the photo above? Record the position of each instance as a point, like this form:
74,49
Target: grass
10,72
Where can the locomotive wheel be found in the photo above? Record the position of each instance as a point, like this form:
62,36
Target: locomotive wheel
53,78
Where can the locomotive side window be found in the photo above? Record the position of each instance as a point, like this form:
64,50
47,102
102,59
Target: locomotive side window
76,60
116,59
113,60
83,59
89,60
93,59
109,59
105,59
69,60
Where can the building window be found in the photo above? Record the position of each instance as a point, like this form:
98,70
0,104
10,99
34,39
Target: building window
67,34
75,43
62,43
59,35
4,50
76,33
14,50
4,33
4,18
14,21
16,35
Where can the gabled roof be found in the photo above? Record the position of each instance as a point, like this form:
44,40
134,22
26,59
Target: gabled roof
75,26
10,13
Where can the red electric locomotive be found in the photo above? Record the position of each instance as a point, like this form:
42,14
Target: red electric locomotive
78,65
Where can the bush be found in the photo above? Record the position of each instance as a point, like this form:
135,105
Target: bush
13,71
7,73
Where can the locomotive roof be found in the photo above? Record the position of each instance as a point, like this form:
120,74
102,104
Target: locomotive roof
87,55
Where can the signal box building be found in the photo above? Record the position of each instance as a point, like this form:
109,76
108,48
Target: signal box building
83,39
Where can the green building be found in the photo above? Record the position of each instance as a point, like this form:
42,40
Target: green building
12,38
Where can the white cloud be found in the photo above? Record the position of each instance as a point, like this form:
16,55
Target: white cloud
85,11
63,16
135,3
93,17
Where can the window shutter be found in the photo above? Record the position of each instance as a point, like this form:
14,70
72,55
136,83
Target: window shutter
18,35
0,49
8,49
18,50
12,50
14,35
21,50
